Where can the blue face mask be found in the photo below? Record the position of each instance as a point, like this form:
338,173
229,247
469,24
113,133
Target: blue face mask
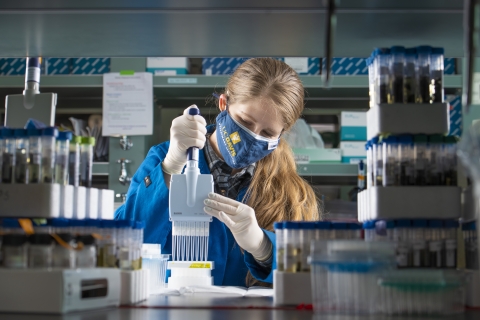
238,145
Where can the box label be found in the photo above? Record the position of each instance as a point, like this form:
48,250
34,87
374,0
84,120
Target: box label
182,80
300,65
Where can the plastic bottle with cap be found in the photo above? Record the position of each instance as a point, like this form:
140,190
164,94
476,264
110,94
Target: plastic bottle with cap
409,82
14,251
423,78
64,255
396,70
293,250
401,236
137,242
40,250
87,256
451,227
435,243
74,161
450,160
421,159
62,161
49,136
8,158
280,245
107,246
435,165
35,155
419,243
21,156
86,161
124,252
391,165
436,75
405,153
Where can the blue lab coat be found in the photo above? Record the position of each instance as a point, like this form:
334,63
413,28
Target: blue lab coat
150,204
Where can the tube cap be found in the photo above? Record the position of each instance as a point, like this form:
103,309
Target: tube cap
390,139
307,225
93,223
435,138
424,50
354,226
76,223
278,225
405,138
58,222
88,140
123,223
6,133
14,240
50,132
64,135
403,223
397,49
19,133
9,223
34,132
374,140
435,223
368,225
323,225
438,51
34,62
339,225
411,51
420,138
419,223
451,223
40,239
76,139
450,139
107,224
290,225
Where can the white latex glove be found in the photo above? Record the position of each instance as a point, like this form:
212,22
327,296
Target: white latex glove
241,220
186,131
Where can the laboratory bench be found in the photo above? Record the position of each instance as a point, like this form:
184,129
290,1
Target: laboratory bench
199,308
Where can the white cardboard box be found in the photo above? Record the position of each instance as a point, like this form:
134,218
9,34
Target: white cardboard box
168,66
353,151
353,126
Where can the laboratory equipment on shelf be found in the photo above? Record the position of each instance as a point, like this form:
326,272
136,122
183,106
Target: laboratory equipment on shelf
86,161
62,157
49,136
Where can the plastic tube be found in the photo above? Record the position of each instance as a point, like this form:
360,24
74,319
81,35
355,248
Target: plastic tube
62,161
435,244
369,149
293,247
423,79
86,161
35,155
421,159
435,165
391,165
450,158
405,145
21,156
87,257
49,136
409,82
74,162
307,234
401,238
451,227
377,162
436,75
280,245
396,70
124,254
8,158
419,244
14,251
40,251
383,74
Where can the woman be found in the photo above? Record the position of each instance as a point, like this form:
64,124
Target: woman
254,173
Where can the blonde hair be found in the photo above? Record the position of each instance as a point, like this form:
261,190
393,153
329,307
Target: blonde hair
276,191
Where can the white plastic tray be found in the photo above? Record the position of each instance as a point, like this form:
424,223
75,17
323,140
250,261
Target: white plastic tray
400,118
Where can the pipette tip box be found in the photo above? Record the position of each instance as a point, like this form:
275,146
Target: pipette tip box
190,273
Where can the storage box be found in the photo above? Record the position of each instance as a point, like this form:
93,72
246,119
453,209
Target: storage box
303,65
449,66
90,65
57,66
347,66
168,66
456,124
12,66
353,126
316,155
353,151
221,66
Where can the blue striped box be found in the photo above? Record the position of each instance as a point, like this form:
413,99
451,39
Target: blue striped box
90,65
449,66
57,66
221,66
348,66
455,115
12,66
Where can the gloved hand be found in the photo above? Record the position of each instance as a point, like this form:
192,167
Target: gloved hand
186,131
241,220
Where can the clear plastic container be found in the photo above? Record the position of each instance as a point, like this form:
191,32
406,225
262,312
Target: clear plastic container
382,70
406,156
8,158
87,256
396,71
293,252
64,255
450,238
307,234
49,136
137,234
153,260
86,161
450,161
421,159
35,155
421,292
435,243
21,156
345,275
435,165
107,245
423,78
377,162
436,75
62,154
15,251
40,251
280,245
391,165
74,161
409,82
124,244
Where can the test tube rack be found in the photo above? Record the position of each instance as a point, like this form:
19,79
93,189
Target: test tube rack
409,202
292,288
405,118
54,201
58,290
134,285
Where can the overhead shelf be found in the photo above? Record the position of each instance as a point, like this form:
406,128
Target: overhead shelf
132,28
329,173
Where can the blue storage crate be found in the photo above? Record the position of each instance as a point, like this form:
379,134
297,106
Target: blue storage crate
54,66
347,66
12,66
455,115
90,65
221,66
449,66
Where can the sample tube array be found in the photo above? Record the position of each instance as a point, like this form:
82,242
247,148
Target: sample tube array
412,160
400,75
293,240
70,243
45,156
419,243
469,230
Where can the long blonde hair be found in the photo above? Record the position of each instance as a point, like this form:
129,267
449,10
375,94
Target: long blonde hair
276,191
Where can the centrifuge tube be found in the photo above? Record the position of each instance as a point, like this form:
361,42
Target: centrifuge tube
86,161
35,155
8,161
49,136
62,153
21,156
